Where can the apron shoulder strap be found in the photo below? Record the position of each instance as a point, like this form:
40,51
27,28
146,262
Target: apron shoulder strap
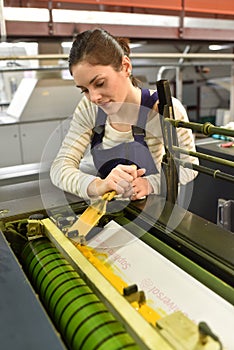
99,129
147,99
147,102
101,117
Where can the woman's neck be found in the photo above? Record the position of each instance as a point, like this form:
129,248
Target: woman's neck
134,95
127,115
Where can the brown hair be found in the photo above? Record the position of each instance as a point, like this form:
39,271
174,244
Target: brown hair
99,47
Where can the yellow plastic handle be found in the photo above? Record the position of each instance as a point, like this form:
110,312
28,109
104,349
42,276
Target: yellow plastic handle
109,195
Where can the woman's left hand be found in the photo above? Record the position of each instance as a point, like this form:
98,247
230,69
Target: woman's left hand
140,187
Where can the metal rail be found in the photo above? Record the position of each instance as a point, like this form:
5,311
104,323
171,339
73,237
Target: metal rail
204,156
217,174
184,56
206,129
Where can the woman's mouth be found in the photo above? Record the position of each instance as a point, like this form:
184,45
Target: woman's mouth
110,107
104,104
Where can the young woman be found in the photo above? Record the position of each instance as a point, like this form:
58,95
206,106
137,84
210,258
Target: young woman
115,140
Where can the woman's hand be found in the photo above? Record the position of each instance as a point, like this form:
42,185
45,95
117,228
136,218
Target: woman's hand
120,180
141,188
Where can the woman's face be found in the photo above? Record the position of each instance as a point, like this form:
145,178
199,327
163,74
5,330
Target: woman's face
103,85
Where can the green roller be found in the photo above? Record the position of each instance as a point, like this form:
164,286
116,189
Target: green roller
79,315
72,303
60,293
60,287
48,274
101,334
49,263
104,329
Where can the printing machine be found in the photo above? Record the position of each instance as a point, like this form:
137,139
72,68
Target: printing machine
149,274
177,265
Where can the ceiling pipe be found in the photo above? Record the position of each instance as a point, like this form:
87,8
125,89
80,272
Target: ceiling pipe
179,81
184,56
179,78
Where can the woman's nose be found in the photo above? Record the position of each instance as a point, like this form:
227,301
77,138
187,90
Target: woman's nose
94,96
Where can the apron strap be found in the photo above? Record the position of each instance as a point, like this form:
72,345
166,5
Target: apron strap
99,129
147,102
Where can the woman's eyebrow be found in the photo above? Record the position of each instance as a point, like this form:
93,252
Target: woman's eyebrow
91,81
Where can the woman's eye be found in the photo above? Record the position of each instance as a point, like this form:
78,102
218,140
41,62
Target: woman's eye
99,84
83,91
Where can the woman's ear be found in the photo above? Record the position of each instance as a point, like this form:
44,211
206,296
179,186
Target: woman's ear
127,65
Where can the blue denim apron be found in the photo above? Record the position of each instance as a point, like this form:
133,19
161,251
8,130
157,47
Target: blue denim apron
127,153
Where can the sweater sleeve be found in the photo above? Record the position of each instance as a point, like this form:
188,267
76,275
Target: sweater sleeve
65,170
186,141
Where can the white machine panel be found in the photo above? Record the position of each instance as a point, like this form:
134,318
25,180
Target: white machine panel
44,99
10,145
35,136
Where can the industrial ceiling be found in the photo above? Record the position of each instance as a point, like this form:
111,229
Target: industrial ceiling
174,34
163,19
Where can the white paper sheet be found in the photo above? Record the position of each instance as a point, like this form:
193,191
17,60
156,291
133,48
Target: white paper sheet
167,287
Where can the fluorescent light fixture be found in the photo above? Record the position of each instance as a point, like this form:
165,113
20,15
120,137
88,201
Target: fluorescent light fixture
219,47
135,45
66,44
